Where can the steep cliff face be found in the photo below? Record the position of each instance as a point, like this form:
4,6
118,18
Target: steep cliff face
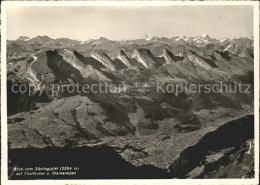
87,71
144,57
214,148
67,67
69,57
170,58
89,61
62,69
192,56
119,64
104,59
41,68
124,58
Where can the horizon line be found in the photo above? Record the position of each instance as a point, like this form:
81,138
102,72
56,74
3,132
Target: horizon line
147,38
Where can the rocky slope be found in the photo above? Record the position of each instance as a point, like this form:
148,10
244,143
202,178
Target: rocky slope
220,153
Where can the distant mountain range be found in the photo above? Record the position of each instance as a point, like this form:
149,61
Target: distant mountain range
203,39
180,53
239,46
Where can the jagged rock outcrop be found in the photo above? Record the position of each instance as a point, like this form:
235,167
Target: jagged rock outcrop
199,61
124,58
61,68
144,57
76,69
87,71
89,61
170,58
119,64
104,59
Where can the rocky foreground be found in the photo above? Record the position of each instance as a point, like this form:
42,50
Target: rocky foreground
226,152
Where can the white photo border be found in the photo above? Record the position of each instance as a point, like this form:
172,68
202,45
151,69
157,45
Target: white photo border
4,153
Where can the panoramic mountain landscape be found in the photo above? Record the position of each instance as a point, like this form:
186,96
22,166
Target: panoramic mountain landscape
157,119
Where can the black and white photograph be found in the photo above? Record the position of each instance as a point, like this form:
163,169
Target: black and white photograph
130,91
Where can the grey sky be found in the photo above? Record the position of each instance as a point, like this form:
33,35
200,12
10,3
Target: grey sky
118,23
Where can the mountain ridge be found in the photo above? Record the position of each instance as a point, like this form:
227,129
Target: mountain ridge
154,38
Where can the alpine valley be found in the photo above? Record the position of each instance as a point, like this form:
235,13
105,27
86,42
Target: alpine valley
142,131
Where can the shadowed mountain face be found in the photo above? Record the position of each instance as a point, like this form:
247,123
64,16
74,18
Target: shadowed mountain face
163,100
213,150
61,68
170,58
226,147
89,61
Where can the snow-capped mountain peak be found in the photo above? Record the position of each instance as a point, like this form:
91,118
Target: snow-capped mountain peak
182,38
205,35
24,38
